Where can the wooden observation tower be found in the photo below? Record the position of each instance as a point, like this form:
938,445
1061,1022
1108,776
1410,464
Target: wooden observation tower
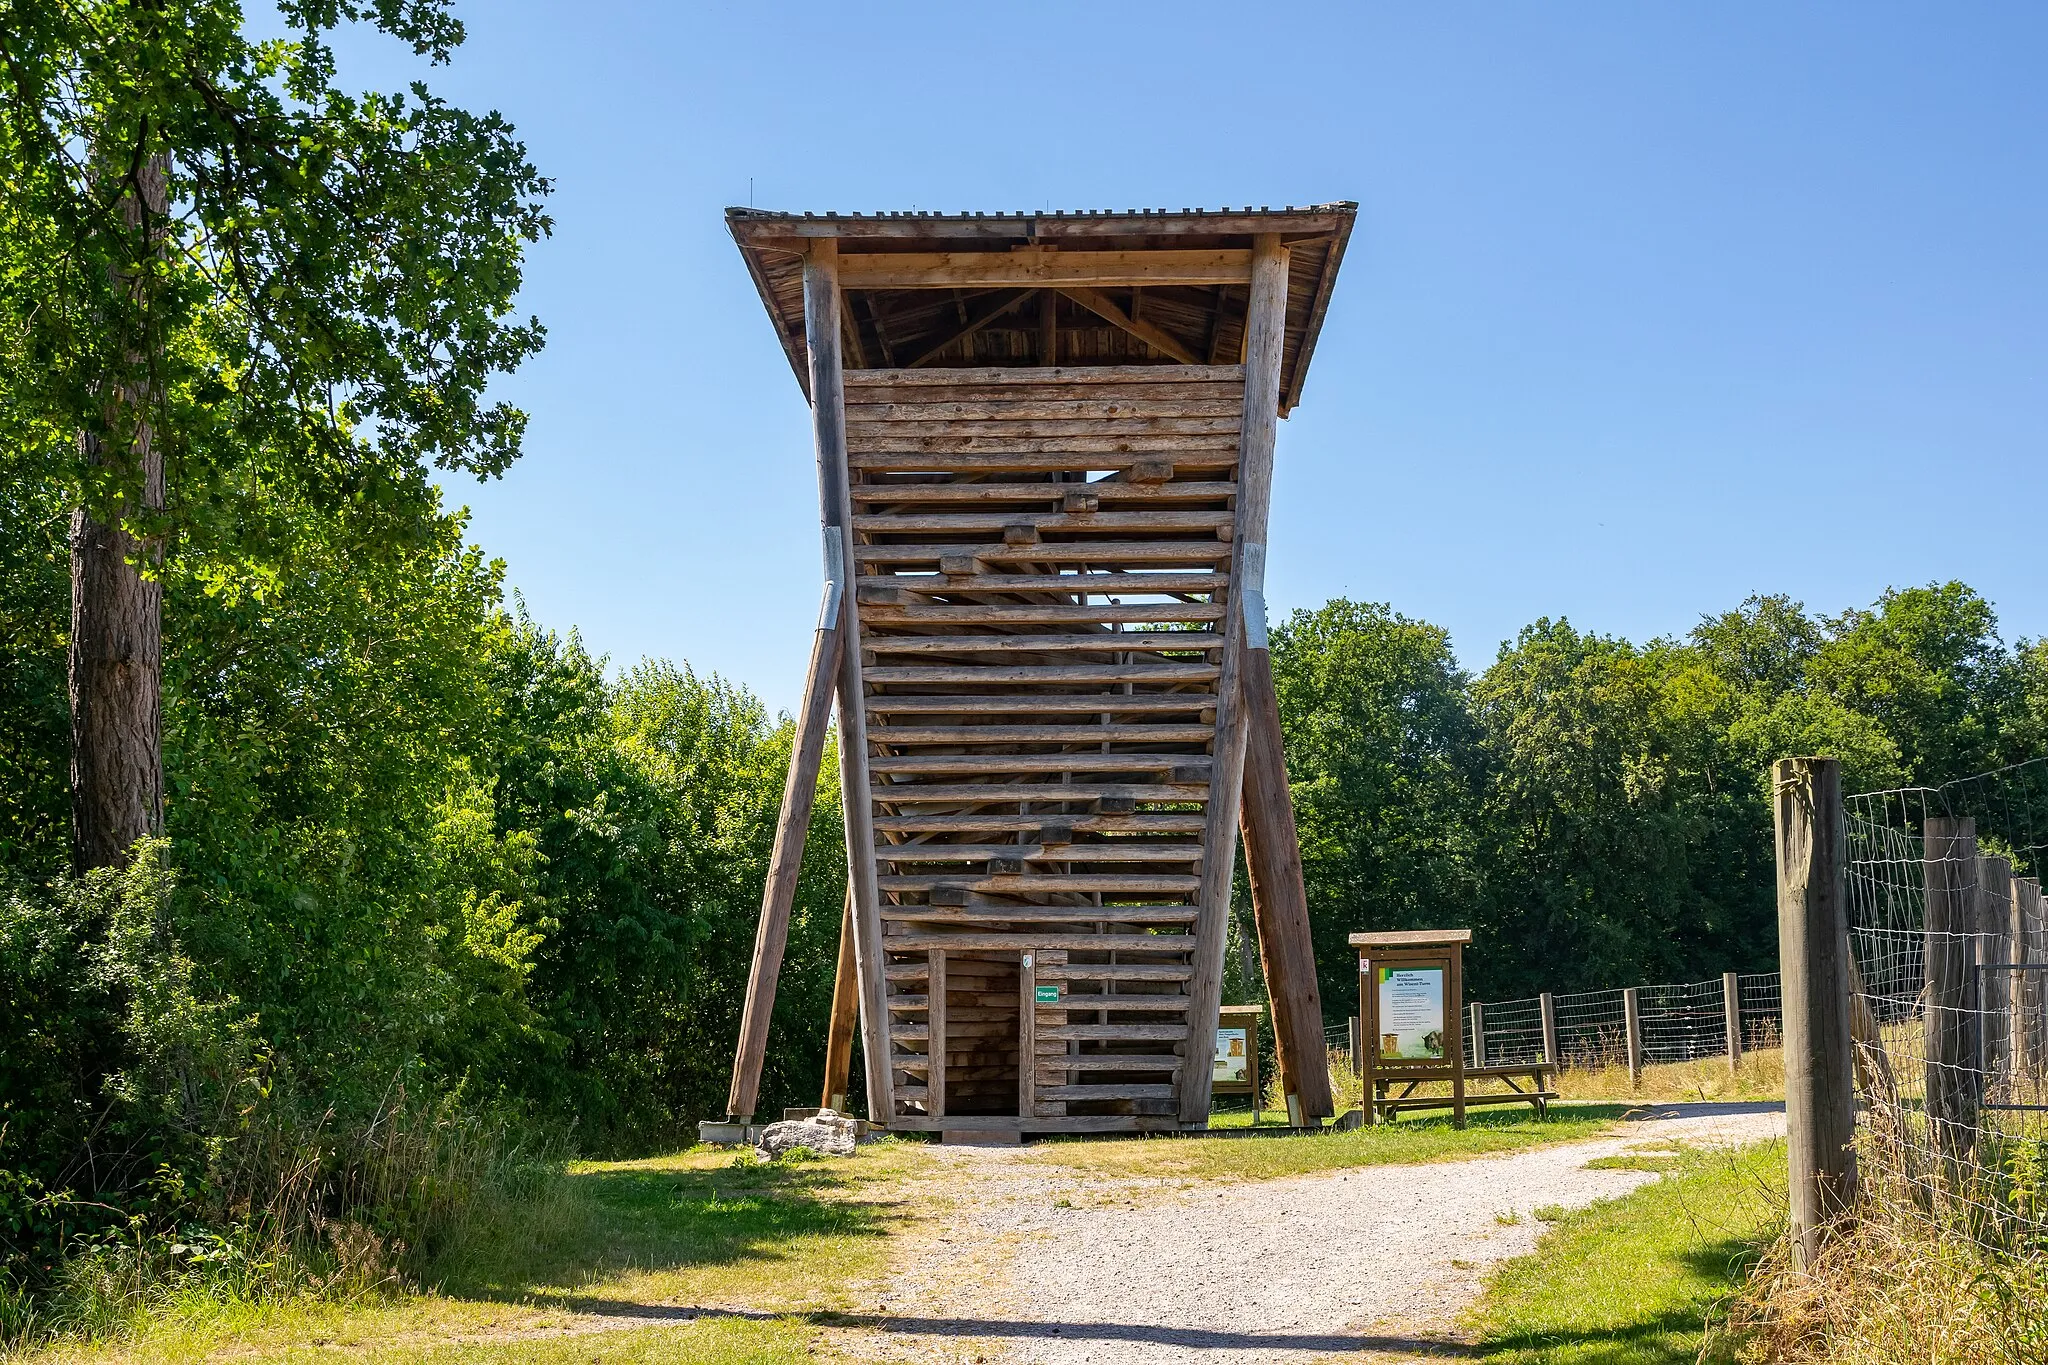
1045,449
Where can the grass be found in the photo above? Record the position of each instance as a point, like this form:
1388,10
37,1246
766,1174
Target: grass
1633,1280
1760,1076
1258,1158
771,1240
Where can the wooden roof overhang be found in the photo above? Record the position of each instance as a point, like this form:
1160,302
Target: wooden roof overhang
1148,286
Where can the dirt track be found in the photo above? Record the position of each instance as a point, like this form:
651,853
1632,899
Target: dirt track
1376,1261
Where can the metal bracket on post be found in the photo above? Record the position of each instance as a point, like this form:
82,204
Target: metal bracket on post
835,578
1251,591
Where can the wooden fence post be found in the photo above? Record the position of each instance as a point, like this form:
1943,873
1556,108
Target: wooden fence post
1546,1008
1632,1020
1995,985
1949,874
1478,1034
1813,953
2027,951
1356,1028
1731,1018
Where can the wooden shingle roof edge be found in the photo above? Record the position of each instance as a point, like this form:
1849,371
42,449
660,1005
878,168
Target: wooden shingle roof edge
770,241
1411,938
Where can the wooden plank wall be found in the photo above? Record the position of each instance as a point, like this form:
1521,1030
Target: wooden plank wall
1043,559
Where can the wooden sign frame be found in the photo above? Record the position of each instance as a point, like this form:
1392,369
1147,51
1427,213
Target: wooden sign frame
1246,1017
1440,948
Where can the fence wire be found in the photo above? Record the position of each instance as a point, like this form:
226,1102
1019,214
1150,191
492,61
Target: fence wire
1950,997
1682,1022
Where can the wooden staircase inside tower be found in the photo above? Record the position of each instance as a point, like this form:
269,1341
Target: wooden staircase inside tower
1043,560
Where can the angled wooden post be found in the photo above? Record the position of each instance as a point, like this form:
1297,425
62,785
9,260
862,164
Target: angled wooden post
1265,340
845,1014
835,502
1813,953
799,794
1272,853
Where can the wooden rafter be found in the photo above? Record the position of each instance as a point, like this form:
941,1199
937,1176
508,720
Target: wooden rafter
1156,337
974,323
1040,267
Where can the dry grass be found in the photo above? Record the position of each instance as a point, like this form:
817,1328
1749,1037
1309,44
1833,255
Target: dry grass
1760,1077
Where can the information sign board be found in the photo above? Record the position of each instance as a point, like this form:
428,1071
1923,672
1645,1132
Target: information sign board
1411,1013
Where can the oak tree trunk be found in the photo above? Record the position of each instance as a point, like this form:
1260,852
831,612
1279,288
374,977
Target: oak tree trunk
116,655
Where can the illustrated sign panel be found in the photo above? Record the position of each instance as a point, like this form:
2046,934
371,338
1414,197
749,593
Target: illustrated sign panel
1411,1013
1232,1060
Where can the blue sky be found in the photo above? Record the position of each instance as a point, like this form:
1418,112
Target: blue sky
1650,307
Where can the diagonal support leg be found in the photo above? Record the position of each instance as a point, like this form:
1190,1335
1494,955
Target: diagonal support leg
799,793
845,1017
1280,899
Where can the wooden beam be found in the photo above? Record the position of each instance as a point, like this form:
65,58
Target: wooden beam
1048,327
935,1034
1042,268
845,1014
1157,337
799,793
1266,325
1272,850
822,330
971,324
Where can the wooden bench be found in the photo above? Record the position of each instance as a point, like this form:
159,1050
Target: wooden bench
1534,1076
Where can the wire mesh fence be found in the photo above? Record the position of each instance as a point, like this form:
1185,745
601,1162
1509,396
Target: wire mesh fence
1679,1022
1949,985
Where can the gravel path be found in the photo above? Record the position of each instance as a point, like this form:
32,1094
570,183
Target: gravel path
1045,1267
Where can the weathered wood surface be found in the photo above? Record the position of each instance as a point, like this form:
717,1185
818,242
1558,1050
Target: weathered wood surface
1048,268
844,1018
1813,949
785,862
1954,1085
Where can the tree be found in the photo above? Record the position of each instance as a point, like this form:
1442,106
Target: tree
219,269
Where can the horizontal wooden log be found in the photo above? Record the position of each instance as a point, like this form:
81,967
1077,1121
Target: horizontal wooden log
1078,943
1110,1091
1034,883
888,435
1106,1062
1033,405
1029,267
1112,971
1174,641
1183,449
909,1033
965,523
1038,613
1081,793
1030,379
1045,703
1040,914
1027,674
998,821
905,971
1045,1123
1196,765
1184,459
1166,1004
1140,1033
1080,585
1164,552
1041,734
1117,851
1110,492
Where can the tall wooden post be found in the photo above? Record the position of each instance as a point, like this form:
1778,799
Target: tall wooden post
1546,1008
1994,955
1272,851
1813,953
835,500
1954,1085
2028,952
1478,1034
1265,336
1731,1018
799,794
1632,1027
845,1011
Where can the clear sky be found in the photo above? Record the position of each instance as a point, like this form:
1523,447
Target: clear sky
1649,308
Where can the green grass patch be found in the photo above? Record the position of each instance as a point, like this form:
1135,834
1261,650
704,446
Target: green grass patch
1632,1280
1410,1141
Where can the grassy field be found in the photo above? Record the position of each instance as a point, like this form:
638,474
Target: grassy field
619,1240
1632,1280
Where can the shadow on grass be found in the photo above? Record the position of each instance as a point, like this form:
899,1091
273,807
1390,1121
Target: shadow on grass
1668,1338
607,1222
